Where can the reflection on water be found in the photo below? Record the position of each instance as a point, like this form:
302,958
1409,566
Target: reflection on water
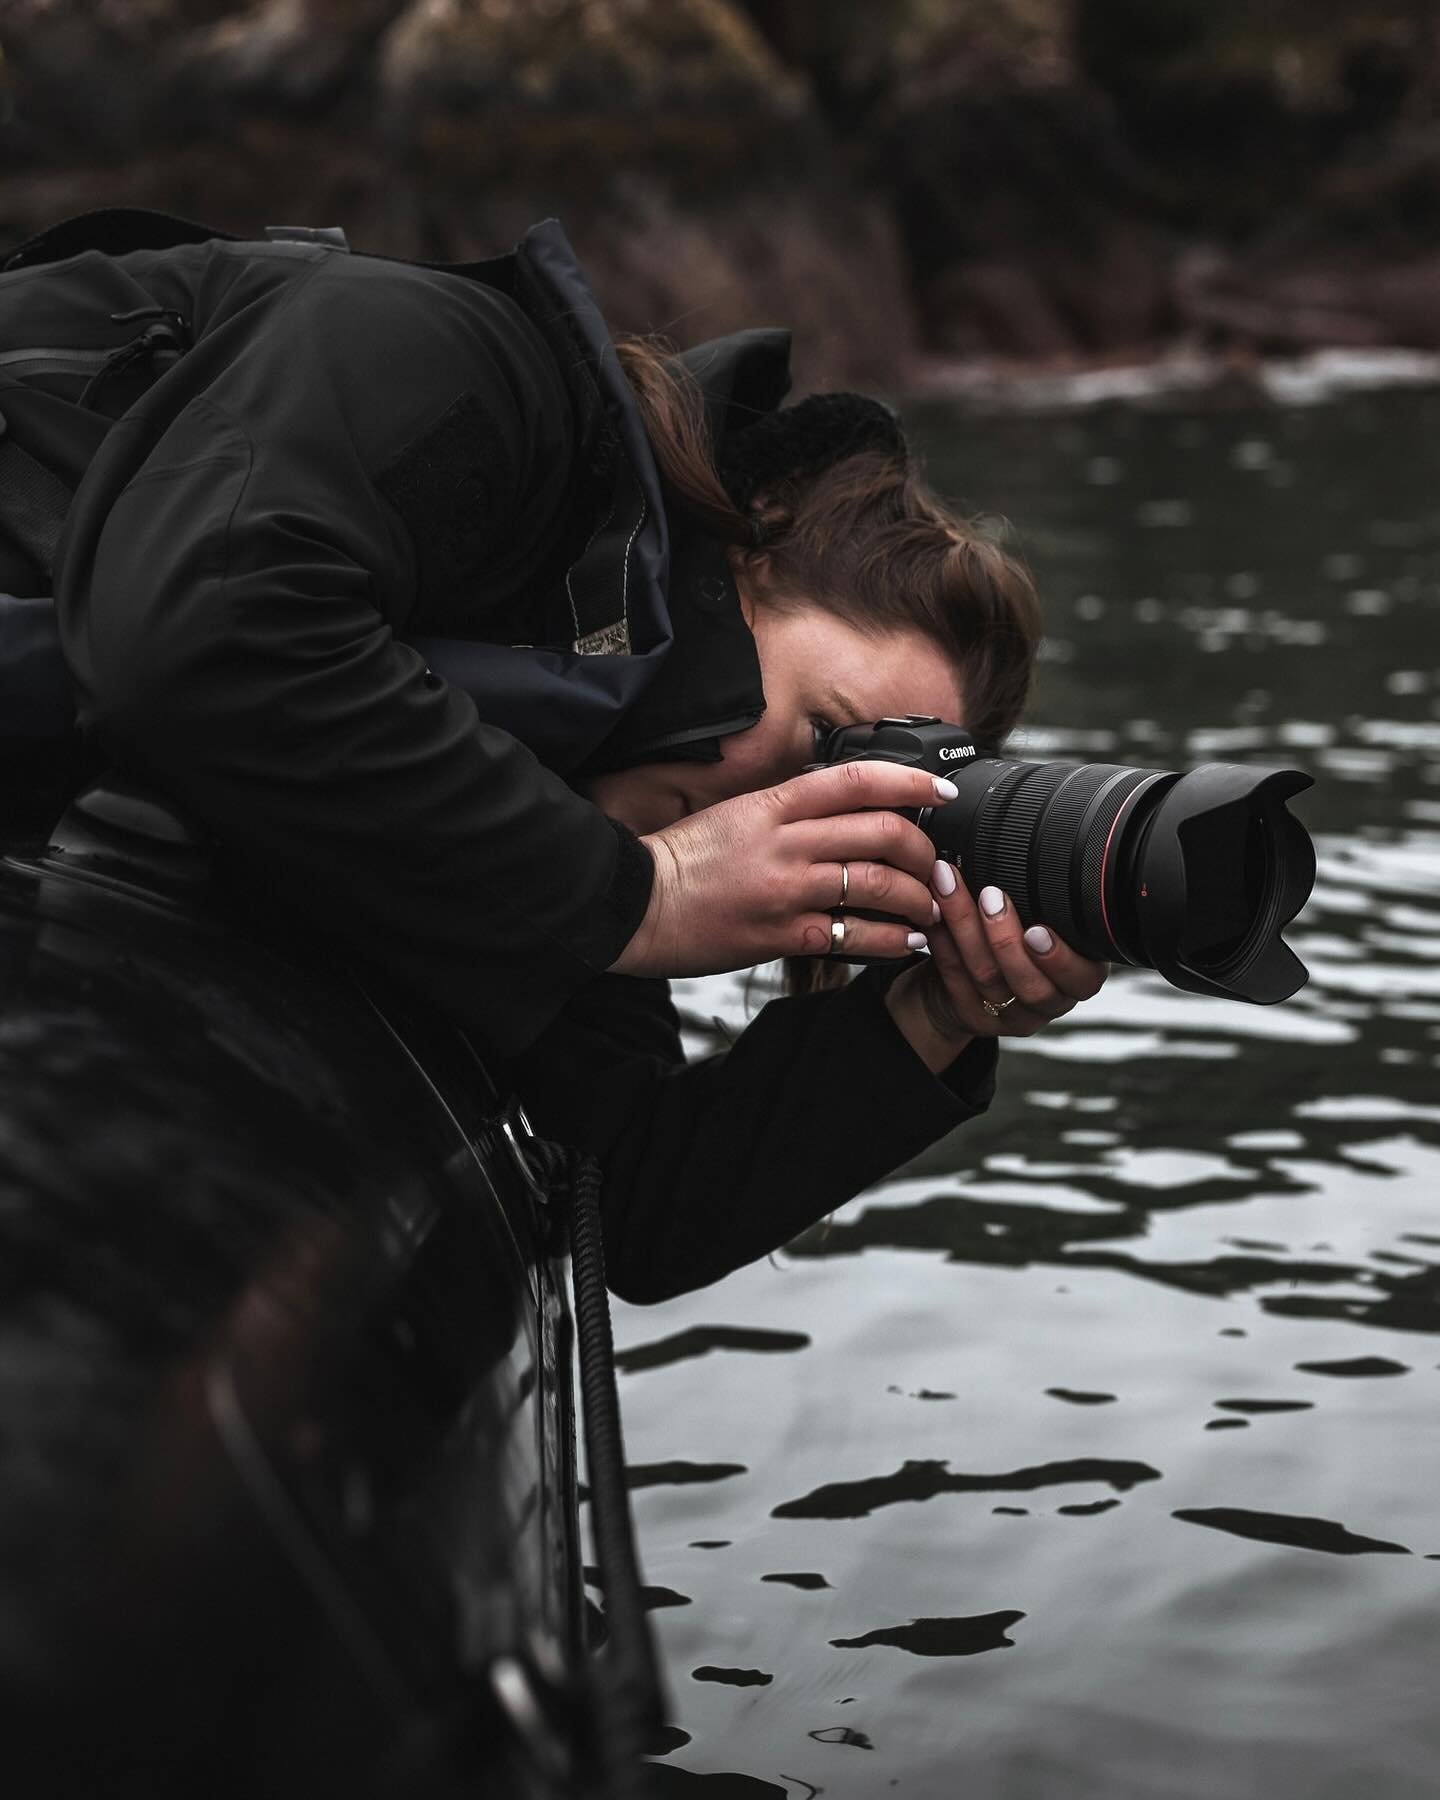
923,1480
1279,1528
1186,1273
941,1637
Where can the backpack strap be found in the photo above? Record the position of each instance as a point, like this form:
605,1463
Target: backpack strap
36,502
113,230
37,702
35,499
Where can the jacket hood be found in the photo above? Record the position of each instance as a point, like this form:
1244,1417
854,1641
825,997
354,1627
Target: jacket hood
741,377
709,685
626,652
662,664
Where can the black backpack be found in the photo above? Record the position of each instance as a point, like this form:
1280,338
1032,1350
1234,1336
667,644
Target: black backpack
35,702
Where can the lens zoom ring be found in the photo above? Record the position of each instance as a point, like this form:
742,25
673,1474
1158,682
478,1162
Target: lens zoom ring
1041,831
1066,827
1005,831
1059,893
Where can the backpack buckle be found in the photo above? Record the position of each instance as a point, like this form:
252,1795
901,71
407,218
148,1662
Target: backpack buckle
329,237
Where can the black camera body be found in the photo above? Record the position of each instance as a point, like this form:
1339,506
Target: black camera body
1192,875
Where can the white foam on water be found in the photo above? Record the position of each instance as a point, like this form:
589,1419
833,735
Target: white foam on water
1116,1046
1328,374
1403,734
1266,1140
1364,1106
1312,380
1173,1168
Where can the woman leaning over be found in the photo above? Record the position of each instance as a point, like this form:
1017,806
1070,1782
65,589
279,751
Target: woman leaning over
501,658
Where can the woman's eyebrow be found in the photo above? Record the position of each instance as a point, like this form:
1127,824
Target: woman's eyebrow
845,709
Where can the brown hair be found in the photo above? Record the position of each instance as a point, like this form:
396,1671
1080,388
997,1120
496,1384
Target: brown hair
868,541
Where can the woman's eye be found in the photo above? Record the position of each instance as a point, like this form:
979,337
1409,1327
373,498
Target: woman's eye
822,728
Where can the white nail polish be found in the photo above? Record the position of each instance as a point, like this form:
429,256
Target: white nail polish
945,790
934,912
1039,940
992,902
942,879
916,941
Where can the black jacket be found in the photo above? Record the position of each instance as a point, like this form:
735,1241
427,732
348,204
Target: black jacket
349,474
351,448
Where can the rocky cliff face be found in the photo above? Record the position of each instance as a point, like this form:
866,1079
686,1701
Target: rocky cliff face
1024,178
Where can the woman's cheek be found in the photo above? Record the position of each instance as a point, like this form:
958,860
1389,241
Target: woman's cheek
761,757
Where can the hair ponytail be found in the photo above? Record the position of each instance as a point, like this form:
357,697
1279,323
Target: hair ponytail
673,409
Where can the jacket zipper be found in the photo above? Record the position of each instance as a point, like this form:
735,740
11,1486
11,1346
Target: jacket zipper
167,332
54,362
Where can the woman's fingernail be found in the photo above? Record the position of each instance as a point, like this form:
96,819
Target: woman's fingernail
946,790
1039,940
992,902
942,879
917,940
934,912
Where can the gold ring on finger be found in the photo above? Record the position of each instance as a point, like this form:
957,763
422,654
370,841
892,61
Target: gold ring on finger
844,884
996,1007
837,934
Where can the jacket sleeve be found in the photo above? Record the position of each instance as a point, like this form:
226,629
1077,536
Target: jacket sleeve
713,1164
229,603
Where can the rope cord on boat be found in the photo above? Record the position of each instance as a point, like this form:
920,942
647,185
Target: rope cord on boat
631,1699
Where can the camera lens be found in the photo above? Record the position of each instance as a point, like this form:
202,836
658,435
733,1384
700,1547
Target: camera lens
1192,875
1046,833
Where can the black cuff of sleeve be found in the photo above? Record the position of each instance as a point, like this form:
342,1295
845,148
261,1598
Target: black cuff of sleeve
633,880
970,1079
613,920
513,1017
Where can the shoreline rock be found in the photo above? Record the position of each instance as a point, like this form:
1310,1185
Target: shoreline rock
1036,182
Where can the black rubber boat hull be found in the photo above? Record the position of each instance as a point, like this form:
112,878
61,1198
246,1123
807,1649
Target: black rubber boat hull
287,1474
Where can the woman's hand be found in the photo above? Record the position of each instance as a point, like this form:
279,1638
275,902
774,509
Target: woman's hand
757,877
983,953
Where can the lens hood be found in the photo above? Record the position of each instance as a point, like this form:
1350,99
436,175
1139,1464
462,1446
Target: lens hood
1222,867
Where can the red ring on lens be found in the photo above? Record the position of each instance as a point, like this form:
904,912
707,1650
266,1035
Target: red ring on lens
1125,806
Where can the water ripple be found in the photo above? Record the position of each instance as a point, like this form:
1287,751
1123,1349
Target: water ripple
1172,1198
924,1480
700,1340
1288,1528
941,1637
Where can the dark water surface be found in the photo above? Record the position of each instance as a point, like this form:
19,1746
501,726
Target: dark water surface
1098,1453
